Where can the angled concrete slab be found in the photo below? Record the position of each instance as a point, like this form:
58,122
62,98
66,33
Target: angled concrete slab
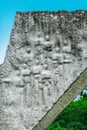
44,68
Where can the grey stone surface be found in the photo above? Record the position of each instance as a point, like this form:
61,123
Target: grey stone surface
46,54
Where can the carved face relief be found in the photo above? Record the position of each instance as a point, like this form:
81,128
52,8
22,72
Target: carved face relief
46,54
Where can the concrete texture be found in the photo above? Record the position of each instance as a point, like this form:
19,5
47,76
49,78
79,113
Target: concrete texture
42,70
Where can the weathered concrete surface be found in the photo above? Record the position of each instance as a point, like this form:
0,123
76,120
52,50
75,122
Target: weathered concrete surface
46,54
63,101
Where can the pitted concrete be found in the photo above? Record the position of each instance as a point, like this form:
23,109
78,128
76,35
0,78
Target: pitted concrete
42,70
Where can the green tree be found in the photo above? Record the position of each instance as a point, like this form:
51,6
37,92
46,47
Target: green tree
74,117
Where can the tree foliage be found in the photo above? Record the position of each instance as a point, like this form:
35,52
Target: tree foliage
74,117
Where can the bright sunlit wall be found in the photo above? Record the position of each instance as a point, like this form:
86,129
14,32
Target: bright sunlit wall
8,9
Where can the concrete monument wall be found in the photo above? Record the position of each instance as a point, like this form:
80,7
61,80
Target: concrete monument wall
47,52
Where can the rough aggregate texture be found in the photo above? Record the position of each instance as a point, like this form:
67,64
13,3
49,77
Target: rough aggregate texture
46,54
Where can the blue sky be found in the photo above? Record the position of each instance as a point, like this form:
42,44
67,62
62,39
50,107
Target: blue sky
8,9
